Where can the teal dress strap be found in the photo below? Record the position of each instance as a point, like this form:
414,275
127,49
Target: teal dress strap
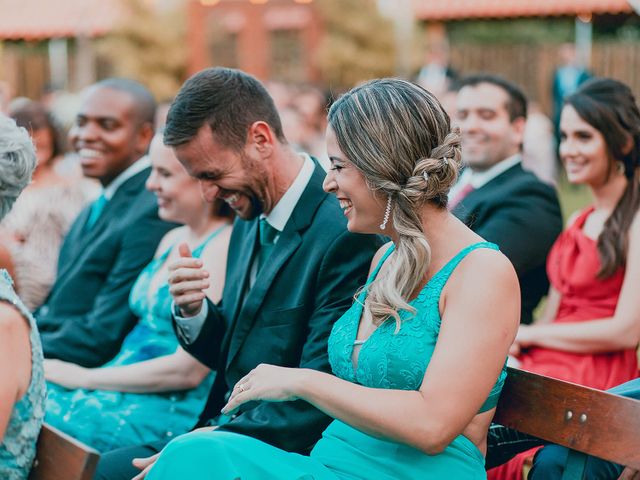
198,251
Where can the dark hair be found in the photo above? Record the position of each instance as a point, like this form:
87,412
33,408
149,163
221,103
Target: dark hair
227,100
144,103
610,107
517,103
33,116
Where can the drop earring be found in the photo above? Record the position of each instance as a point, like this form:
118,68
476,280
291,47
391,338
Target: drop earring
620,167
387,212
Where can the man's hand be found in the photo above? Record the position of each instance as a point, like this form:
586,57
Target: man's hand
187,282
145,465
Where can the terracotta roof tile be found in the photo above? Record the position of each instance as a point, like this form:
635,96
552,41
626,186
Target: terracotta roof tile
462,9
40,19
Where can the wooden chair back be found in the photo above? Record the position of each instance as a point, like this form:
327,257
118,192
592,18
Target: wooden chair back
583,419
61,457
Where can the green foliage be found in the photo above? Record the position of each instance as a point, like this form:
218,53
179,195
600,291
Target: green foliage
358,44
149,47
523,30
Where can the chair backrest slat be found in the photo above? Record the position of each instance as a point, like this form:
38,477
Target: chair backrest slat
584,419
61,457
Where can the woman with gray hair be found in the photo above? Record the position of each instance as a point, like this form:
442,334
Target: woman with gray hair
419,359
22,387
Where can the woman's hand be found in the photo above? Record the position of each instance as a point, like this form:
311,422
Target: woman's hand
68,375
266,382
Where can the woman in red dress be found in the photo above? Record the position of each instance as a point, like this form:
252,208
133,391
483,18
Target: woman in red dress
590,328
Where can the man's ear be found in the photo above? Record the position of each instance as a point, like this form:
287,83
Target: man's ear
144,137
518,125
261,137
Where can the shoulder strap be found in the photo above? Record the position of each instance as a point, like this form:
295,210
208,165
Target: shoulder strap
198,251
451,265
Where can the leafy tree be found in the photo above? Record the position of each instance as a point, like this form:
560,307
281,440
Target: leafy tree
150,46
358,43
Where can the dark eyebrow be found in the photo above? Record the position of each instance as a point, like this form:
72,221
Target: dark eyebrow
335,159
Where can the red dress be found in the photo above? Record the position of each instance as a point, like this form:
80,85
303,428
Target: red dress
572,266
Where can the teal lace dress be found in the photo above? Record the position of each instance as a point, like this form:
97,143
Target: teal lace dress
107,419
386,360
18,447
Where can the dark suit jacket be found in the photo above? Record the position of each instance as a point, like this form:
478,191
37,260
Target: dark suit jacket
522,215
305,286
86,315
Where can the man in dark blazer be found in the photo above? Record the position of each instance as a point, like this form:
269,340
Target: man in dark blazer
495,196
504,204
292,269
86,316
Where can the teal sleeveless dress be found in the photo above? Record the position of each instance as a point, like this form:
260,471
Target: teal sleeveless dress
106,419
387,360
18,447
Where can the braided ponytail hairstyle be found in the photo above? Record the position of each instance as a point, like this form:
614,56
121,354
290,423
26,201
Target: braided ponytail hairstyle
399,137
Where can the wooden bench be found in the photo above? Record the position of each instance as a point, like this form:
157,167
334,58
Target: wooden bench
586,420
61,457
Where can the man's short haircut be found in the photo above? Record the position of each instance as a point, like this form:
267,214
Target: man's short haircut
517,102
144,103
227,100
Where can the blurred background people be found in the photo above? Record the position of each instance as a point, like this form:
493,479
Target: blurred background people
112,240
495,196
22,388
152,388
590,328
43,214
569,75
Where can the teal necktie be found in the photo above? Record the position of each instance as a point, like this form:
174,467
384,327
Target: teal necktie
266,235
96,210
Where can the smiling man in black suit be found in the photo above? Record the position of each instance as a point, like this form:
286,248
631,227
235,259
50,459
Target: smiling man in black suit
86,316
292,269
495,196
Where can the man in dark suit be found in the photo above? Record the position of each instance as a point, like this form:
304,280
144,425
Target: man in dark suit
86,316
495,197
292,270
505,204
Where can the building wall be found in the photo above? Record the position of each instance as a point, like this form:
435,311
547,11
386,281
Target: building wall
276,40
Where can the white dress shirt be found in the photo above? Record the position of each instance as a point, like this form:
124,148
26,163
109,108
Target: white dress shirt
480,179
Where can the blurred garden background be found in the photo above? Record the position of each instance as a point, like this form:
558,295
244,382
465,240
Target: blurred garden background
50,50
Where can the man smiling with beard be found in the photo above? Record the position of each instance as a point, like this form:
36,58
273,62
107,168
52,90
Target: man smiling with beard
292,266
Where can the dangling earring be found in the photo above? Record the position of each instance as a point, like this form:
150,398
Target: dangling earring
620,167
387,212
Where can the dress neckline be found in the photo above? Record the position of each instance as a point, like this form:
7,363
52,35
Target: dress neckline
362,296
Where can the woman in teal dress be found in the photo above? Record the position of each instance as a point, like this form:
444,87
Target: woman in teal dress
152,388
419,359
22,387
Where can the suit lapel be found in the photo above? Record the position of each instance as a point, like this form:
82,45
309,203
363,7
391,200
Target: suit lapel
80,239
466,208
287,244
239,276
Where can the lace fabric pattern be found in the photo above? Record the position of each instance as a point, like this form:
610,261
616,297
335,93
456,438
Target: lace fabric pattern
18,447
395,360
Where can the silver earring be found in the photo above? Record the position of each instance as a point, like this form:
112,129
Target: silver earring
387,212
620,167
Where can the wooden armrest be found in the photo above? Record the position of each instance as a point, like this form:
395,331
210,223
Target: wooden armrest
581,418
62,457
